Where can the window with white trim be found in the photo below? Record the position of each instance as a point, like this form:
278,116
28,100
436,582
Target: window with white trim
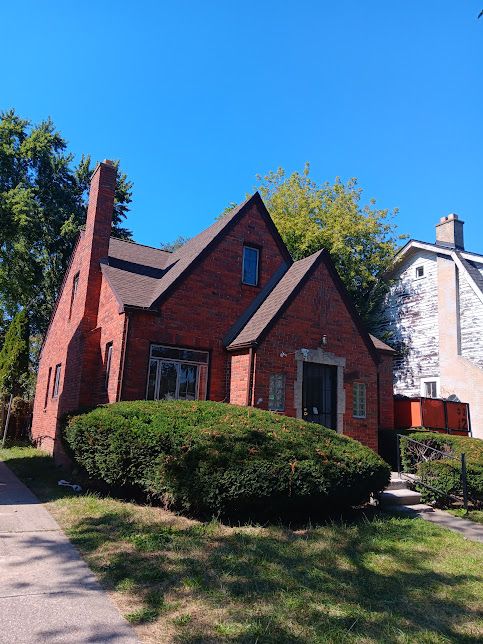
419,272
251,257
177,374
430,387
359,400
276,392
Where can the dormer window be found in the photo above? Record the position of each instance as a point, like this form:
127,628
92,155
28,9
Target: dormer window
419,272
251,256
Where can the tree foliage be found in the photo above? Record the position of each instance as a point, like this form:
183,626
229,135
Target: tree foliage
14,357
171,246
361,239
43,200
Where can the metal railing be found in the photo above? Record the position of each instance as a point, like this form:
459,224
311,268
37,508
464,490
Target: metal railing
428,453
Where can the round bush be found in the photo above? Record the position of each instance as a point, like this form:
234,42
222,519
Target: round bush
217,458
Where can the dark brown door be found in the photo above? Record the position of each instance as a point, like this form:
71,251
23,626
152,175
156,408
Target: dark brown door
319,394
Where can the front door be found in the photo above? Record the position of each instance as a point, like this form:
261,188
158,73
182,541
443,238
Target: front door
319,394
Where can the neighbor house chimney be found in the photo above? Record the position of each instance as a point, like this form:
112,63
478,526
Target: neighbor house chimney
449,232
98,233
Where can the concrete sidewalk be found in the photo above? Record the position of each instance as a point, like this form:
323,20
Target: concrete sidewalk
47,592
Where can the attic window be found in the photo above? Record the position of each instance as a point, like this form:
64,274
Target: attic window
251,257
419,272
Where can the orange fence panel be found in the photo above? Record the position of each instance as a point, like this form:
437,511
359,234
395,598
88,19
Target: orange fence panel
432,413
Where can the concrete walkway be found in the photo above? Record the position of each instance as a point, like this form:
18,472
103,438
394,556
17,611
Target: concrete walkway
468,529
47,593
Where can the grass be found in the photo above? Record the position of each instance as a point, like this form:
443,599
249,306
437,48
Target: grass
472,515
375,578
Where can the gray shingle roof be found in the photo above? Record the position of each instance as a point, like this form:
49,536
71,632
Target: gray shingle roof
132,252
183,257
141,275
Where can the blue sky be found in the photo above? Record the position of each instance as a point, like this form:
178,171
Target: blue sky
196,98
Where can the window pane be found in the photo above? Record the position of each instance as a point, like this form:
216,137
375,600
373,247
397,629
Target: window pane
151,391
187,382
167,380
55,393
430,389
276,395
359,402
108,362
250,265
174,353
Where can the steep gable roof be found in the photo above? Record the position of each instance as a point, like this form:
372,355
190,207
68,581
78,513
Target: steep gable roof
467,262
183,260
141,276
276,301
285,292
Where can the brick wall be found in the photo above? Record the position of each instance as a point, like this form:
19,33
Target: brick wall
73,336
319,310
239,377
201,310
386,394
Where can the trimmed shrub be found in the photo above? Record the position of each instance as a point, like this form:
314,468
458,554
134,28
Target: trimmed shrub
444,474
209,457
472,447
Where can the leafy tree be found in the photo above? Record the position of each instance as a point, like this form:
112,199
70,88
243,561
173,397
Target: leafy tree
361,239
14,358
175,244
43,199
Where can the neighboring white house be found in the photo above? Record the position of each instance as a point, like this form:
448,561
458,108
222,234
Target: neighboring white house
434,311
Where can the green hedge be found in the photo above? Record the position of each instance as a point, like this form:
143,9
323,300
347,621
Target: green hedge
472,447
444,474
445,477
218,458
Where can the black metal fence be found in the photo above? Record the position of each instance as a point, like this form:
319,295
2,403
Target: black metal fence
420,453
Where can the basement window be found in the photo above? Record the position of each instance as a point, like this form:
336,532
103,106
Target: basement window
359,400
419,272
55,392
276,392
251,258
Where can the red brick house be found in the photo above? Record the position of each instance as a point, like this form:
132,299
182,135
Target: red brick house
227,317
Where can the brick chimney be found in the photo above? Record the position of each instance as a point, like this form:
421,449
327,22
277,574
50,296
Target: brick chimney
98,233
449,232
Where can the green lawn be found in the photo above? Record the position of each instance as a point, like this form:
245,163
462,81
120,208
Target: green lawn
472,515
377,578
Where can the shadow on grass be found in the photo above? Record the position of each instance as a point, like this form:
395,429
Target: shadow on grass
308,576
369,577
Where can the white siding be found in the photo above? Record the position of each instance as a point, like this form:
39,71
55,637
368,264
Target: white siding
411,315
471,322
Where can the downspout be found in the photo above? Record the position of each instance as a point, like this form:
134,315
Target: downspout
251,360
123,355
